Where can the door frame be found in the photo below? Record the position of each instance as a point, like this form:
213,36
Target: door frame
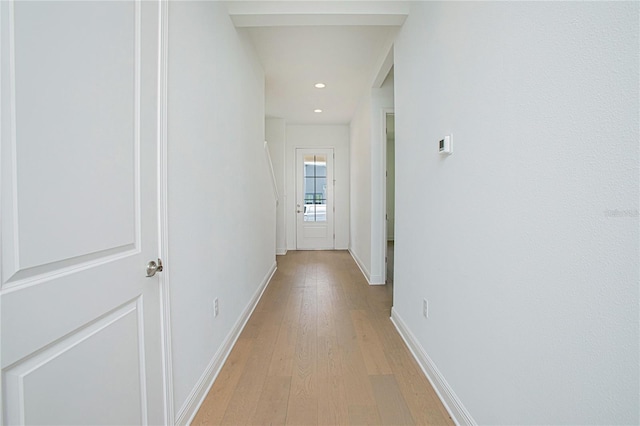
163,212
383,189
295,194
385,162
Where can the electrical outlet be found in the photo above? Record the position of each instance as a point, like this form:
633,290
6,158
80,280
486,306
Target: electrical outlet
425,308
215,307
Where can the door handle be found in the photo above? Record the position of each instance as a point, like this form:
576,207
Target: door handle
153,267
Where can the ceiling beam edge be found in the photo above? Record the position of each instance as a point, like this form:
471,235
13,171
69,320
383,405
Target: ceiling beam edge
384,65
291,20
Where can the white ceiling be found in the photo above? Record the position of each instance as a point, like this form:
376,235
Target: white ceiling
343,44
295,58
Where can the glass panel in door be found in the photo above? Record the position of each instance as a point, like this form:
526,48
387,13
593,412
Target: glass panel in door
315,188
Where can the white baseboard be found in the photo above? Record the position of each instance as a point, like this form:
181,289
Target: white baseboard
371,279
363,269
377,280
198,394
281,251
451,402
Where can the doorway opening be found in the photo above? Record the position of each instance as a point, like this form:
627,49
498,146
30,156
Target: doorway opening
390,196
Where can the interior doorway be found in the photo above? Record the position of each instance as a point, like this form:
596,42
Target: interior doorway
390,195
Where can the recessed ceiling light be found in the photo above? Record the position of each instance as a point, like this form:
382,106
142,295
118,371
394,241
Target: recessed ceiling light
320,85
317,110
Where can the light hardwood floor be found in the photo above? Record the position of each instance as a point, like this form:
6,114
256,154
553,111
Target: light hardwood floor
320,349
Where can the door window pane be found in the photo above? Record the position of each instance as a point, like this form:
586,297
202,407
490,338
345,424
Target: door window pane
315,188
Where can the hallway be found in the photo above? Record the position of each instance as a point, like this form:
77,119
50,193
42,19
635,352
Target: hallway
320,349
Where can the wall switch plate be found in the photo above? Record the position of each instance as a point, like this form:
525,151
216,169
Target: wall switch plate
215,307
445,146
425,308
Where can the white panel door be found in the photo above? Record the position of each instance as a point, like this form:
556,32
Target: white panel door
314,199
80,320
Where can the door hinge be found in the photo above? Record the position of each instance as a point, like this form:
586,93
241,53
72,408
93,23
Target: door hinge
386,217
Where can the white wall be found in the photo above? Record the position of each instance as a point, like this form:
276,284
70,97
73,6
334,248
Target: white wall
324,136
525,240
368,187
275,129
221,207
360,240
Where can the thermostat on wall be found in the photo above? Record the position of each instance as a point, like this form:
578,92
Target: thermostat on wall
445,145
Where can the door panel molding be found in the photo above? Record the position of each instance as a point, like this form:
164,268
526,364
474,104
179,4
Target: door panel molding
18,374
8,126
21,268
28,277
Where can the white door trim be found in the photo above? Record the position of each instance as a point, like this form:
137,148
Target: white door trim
163,212
379,257
385,111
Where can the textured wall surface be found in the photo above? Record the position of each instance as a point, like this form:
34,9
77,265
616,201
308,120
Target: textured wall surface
525,240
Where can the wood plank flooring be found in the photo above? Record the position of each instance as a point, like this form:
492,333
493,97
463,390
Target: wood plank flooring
320,349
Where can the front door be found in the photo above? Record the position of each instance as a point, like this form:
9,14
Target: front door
314,199
81,335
